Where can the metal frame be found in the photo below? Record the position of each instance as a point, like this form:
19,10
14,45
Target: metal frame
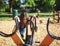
53,36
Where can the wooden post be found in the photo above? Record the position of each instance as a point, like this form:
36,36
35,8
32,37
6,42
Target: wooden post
58,16
54,15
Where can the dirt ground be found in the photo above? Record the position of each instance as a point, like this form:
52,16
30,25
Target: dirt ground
7,26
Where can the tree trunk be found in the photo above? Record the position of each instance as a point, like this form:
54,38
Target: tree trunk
10,6
57,5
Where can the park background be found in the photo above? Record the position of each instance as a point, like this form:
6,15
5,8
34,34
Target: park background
46,8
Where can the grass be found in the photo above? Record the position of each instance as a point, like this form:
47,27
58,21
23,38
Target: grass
4,17
28,13
40,13
7,18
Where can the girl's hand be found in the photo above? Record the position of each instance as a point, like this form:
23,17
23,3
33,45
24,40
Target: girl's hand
17,18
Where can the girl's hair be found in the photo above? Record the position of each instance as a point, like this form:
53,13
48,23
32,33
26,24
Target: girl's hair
22,15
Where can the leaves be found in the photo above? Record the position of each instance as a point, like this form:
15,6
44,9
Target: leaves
30,3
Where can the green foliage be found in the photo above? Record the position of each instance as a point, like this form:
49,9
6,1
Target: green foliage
30,3
57,8
49,4
52,2
45,5
1,4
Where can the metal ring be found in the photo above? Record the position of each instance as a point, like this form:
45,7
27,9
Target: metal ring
53,36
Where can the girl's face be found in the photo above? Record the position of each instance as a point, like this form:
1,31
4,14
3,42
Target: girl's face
25,20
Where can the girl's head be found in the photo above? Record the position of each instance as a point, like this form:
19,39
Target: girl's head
23,17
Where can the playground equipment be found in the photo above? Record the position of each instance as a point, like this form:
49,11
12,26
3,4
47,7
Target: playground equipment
15,13
53,36
49,37
19,41
56,14
33,19
8,35
29,38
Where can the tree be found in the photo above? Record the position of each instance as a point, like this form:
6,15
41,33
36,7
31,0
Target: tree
45,5
30,3
57,5
2,4
10,6
13,4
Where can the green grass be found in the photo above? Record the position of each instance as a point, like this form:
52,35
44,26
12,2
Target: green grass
40,13
10,18
5,18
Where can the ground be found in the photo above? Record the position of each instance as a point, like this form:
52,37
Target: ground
7,26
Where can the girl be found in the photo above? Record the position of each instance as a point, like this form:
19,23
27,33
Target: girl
23,20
